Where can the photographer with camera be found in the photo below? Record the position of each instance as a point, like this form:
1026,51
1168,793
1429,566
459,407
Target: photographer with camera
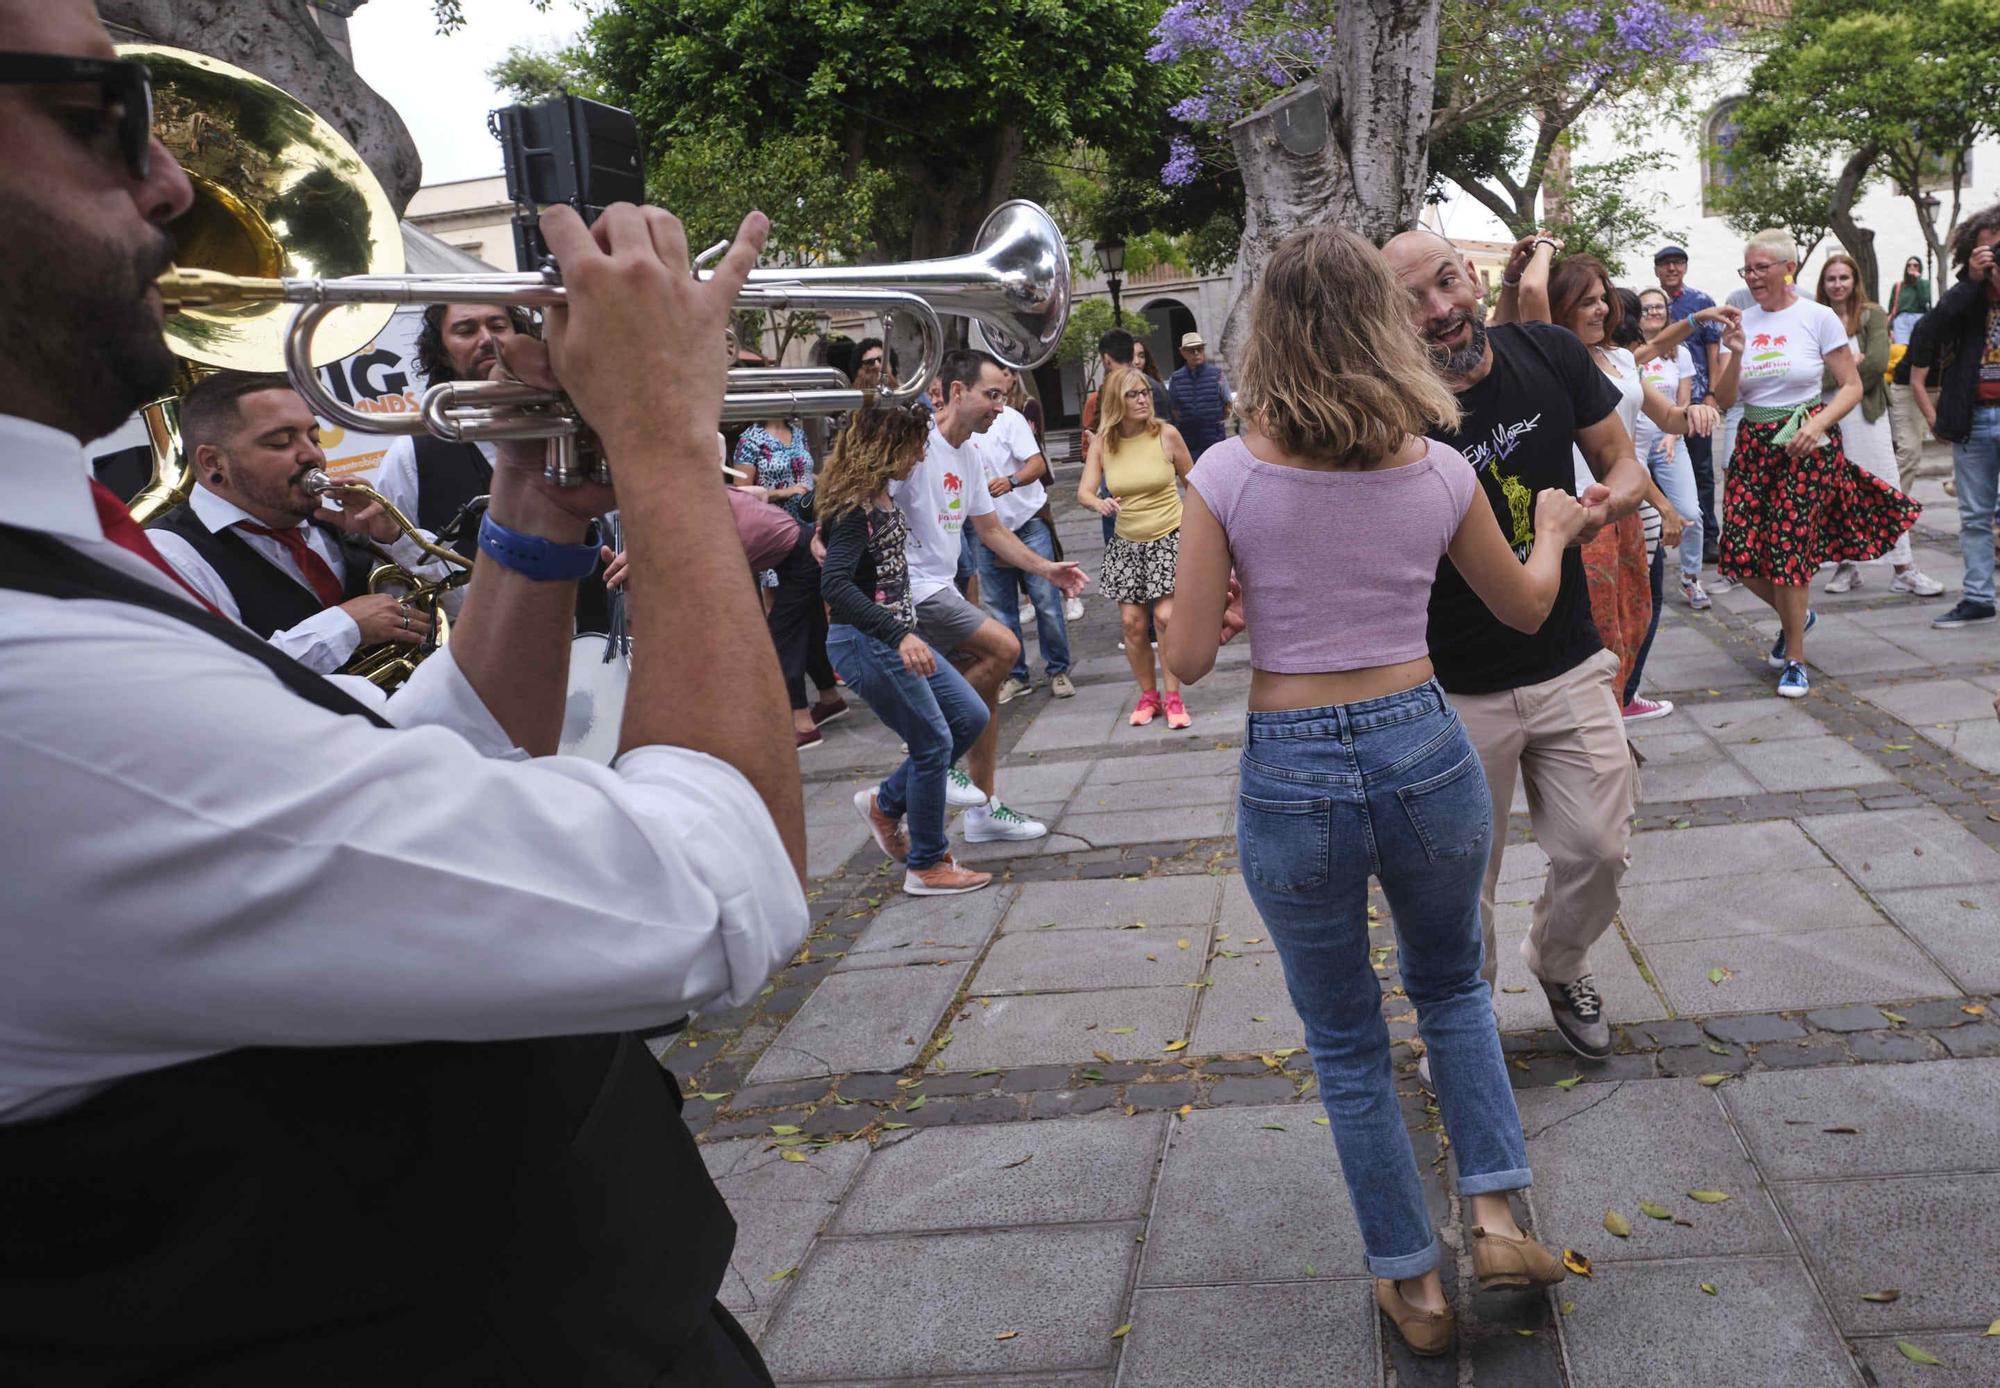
1967,412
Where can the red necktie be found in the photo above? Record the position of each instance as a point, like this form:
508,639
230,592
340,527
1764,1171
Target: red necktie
126,533
315,569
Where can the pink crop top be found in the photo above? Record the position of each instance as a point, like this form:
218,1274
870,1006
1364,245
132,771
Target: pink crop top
1336,567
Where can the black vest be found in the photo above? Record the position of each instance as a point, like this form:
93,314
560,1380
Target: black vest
445,1215
269,599
449,475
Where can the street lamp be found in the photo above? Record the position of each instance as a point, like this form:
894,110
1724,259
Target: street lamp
1929,203
1111,255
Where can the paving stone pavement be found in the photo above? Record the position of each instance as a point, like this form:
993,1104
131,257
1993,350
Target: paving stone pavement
1061,1132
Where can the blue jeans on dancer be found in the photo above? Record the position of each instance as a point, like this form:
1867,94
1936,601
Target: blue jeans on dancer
1392,787
938,717
1000,594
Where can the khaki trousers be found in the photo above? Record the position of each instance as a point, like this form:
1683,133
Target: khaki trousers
1565,738
1906,424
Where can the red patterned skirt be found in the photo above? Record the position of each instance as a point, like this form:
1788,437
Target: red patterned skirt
1782,517
1621,592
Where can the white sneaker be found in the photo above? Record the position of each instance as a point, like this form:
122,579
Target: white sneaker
1846,578
960,792
995,823
1012,689
1026,613
1915,582
1072,609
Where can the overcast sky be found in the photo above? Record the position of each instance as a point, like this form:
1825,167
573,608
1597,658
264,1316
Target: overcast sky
437,83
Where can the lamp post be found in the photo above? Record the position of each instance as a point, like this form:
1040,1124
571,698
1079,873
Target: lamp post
1929,203
1111,255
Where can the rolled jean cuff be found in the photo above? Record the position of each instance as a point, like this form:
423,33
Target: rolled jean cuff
1405,1264
1492,1182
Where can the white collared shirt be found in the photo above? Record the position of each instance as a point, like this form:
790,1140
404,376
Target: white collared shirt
323,641
197,860
1004,449
396,475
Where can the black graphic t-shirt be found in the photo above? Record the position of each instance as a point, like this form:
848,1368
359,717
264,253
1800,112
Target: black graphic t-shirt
1519,425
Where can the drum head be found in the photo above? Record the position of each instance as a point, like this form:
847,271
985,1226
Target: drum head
595,710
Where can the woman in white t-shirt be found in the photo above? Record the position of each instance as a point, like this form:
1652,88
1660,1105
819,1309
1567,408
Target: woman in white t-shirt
1792,498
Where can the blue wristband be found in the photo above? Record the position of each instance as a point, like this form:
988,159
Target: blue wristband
533,557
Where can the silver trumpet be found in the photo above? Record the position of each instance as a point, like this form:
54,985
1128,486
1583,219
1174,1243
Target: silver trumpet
1014,284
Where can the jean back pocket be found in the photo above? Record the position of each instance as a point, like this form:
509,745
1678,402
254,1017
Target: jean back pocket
1452,812
1284,843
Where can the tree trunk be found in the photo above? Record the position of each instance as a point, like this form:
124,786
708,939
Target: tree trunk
279,41
1857,240
1351,147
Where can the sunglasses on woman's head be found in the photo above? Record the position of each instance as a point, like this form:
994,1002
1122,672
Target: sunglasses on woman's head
120,82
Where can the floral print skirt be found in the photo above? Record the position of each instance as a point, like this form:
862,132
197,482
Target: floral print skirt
1621,592
1140,570
1782,517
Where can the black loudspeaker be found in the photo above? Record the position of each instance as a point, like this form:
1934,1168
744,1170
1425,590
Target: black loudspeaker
566,149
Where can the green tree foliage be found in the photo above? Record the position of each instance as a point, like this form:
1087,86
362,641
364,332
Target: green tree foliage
951,102
526,75
1794,194
1089,320
1603,214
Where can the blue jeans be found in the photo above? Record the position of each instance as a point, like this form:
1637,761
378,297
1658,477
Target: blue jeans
1976,465
938,717
1656,582
1392,787
1000,594
1674,474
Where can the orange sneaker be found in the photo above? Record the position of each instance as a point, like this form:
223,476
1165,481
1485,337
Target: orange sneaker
1147,709
889,835
943,878
1177,714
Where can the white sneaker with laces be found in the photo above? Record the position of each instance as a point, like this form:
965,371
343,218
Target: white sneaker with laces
1072,609
959,790
1846,578
1915,582
995,823
1012,689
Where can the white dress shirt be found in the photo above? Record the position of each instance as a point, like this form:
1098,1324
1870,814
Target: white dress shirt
323,641
197,860
396,475
1004,449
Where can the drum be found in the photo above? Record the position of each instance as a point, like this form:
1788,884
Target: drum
600,666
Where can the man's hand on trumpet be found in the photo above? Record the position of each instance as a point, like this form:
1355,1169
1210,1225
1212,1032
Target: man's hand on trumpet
383,617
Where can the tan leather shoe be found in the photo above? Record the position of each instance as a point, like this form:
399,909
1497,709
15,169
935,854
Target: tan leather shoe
1499,1261
1428,1333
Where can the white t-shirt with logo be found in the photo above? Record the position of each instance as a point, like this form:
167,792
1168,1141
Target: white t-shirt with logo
944,491
1665,375
1007,444
1784,353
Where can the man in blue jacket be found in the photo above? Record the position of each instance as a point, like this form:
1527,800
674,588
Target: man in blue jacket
1200,397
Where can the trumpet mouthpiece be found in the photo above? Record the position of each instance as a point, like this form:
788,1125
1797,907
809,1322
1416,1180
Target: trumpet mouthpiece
182,289
317,481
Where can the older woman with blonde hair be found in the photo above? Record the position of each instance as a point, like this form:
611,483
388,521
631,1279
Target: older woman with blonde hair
1793,497
1336,514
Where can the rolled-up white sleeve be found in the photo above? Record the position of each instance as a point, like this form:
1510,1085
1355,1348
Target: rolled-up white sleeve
276,874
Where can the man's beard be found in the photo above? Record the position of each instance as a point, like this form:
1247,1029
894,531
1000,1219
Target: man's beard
83,317
1461,361
284,497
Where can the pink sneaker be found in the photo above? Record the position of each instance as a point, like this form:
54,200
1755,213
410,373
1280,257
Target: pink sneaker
1639,710
1147,709
1177,714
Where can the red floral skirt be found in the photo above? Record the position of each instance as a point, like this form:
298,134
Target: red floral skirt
1782,517
1621,592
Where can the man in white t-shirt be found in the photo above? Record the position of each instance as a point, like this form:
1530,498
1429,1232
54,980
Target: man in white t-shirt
1015,468
945,491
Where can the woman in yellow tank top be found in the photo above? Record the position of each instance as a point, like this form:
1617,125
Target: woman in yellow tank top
1141,460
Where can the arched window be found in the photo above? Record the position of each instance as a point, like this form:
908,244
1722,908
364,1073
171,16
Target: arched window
1718,136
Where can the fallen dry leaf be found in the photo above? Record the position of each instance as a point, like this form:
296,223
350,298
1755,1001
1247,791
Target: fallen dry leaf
1708,1197
1572,1082
1122,1331
1975,1010
783,1129
792,1154
1568,1308
780,1275
1180,944
1918,1356
1576,1263
1006,1334
1104,1056
1615,1223
1711,1080
1122,1031
1709,1287
1184,1110
1896,1017
1511,989
1174,1046
1993,1329
1652,1211
1884,1297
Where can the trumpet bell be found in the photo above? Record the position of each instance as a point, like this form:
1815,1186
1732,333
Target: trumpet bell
278,193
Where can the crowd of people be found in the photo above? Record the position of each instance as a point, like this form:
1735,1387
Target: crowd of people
253,950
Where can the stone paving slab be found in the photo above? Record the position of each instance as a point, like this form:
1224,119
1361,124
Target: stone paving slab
780,1207
1651,1323
1084,1380
909,929
1815,969
1146,796
1064,1028
1816,763
1904,848
1159,825
1967,1359
1928,1237
1063,727
1184,899
986,856
1696,780
1040,782
1303,1335
934,1304
1039,961
1670,855
829,847
1719,908
1943,1116
1976,741
1960,926
1523,864
1764,720
1063,1171
1244,990
1627,995
869,1019
1607,1147
1241,1201
1922,702
1183,764
1849,656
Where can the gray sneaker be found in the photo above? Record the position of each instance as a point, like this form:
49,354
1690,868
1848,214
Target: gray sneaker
1062,687
1579,1015
1012,689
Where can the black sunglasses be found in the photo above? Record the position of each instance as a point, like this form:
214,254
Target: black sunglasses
122,81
